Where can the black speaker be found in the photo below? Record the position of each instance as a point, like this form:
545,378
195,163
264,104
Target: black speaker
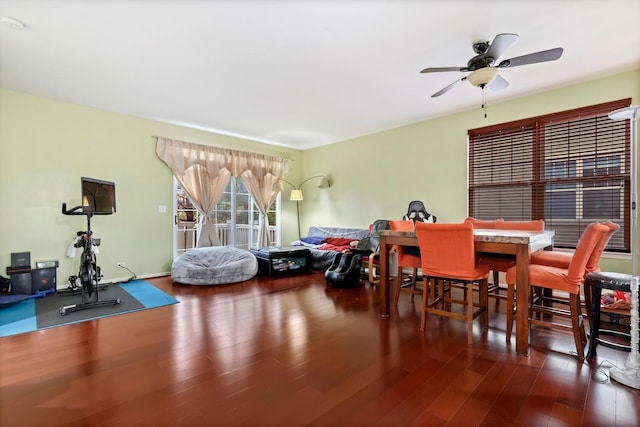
43,279
21,283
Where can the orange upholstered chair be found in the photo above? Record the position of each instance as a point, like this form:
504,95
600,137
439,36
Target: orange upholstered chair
502,264
499,263
562,259
568,280
494,288
448,254
481,223
405,260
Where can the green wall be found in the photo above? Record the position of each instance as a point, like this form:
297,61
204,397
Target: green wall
376,176
46,146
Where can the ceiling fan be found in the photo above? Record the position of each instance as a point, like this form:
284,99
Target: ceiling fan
483,71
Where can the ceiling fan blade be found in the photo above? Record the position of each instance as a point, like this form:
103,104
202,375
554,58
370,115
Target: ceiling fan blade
440,69
499,44
498,83
448,88
533,58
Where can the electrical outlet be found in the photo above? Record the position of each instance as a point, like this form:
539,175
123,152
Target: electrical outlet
122,264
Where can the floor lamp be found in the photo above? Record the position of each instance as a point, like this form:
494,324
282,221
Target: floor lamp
296,193
629,375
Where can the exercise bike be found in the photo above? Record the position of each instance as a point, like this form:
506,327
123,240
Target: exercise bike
89,273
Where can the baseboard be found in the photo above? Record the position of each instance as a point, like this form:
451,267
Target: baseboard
142,276
62,286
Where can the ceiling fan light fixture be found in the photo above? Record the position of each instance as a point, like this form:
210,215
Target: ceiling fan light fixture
482,76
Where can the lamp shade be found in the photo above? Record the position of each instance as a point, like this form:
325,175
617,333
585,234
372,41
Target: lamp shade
296,195
482,76
324,183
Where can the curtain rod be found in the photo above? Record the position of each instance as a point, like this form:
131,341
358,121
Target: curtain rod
222,148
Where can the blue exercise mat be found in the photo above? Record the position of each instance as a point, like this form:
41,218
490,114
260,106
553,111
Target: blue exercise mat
40,313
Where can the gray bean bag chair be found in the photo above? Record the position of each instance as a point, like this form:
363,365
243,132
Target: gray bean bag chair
214,266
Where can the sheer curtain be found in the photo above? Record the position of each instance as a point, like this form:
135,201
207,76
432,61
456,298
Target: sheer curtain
204,171
204,192
262,176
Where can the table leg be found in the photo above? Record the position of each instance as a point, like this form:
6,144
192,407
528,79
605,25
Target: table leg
522,299
594,320
384,277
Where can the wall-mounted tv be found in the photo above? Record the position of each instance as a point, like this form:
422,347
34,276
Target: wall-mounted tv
98,196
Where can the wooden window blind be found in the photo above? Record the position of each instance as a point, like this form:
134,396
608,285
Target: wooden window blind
569,169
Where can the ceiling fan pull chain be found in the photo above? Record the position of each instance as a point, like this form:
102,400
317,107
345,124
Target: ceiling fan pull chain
484,100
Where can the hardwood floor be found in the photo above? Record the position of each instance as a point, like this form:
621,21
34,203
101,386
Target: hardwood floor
290,352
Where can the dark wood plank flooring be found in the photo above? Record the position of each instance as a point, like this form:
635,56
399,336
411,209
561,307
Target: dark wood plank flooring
291,351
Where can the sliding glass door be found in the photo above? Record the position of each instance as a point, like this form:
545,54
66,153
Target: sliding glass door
236,218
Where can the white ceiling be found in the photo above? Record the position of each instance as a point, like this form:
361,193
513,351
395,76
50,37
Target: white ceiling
300,73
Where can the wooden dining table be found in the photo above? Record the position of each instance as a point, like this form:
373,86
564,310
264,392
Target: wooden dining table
517,243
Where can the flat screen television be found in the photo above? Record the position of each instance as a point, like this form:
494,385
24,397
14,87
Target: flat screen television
98,196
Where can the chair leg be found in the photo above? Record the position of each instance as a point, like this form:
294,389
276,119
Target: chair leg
469,313
446,302
510,310
414,283
496,284
484,301
537,293
587,299
579,335
398,286
372,275
432,291
427,294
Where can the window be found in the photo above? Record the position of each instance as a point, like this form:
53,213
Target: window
236,217
569,168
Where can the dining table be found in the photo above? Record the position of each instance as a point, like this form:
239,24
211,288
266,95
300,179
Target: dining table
516,243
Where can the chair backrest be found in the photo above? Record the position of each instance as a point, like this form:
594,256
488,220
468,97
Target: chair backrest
401,225
587,243
533,225
374,237
402,255
594,260
447,250
481,223
417,212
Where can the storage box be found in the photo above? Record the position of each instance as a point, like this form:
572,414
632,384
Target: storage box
20,263
282,259
21,259
43,279
21,283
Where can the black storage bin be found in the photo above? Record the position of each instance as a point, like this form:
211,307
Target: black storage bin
282,259
21,283
43,279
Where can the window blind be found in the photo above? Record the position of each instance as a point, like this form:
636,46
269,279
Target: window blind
569,169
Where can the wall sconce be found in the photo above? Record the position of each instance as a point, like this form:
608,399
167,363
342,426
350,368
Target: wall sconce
297,196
